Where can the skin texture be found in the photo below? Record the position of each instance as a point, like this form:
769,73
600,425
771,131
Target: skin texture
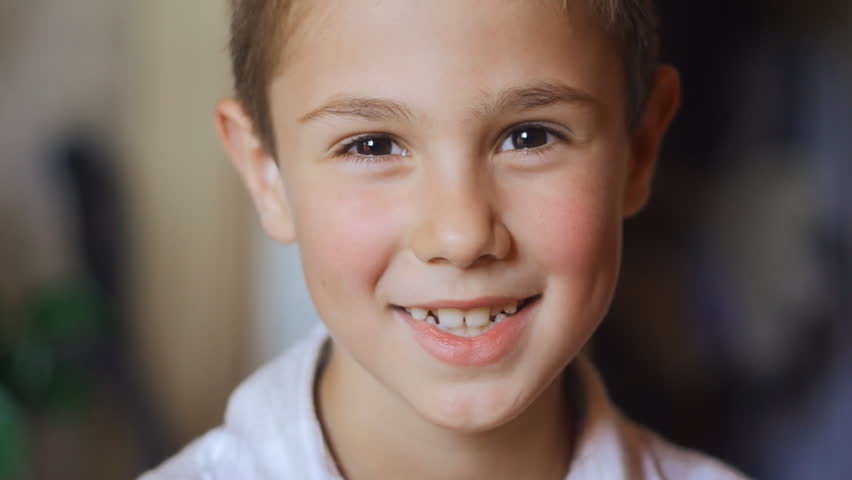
454,213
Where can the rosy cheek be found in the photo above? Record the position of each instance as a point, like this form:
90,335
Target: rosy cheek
345,240
572,233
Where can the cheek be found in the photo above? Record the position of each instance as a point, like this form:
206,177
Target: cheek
575,240
346,240
574,233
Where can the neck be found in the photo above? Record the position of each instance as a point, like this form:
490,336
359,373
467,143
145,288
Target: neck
372,433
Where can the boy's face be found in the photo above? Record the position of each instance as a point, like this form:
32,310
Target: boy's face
452,155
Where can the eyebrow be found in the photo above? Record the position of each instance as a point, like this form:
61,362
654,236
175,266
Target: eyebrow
537,95
367,108
516,99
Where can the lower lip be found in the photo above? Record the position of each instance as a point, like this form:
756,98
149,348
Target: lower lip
486,349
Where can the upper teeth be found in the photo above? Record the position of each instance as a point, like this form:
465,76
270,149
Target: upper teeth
478,317
452,318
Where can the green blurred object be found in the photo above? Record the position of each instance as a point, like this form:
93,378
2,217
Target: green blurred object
42,344
66,313
14,464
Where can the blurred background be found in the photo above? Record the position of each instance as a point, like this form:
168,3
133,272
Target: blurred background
136,289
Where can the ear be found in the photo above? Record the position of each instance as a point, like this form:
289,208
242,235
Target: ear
257,169
661,108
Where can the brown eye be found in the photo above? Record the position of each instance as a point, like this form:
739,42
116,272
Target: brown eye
374,146
528,137
377,146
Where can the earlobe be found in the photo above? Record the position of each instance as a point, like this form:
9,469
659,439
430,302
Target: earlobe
660,110
257,168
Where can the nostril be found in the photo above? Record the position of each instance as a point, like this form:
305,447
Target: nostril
461,235
483,260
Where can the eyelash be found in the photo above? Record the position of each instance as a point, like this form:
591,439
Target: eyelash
560,137
344,149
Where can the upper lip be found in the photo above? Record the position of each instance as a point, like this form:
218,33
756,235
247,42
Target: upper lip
469,304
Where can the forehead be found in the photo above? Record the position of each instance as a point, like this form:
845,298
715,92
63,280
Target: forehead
450,49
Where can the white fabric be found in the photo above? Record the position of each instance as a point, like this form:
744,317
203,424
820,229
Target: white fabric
271,432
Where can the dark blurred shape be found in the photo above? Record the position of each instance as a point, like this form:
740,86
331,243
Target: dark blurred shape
101,241
64,351
730,331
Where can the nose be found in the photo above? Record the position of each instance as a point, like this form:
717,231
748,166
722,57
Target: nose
460,227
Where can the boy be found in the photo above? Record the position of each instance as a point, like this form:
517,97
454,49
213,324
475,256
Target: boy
456,173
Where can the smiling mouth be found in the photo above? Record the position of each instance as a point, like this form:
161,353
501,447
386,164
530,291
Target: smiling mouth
467,323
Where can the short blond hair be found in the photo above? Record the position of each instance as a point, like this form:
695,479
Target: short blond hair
259,29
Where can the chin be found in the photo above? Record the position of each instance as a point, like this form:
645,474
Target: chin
468,410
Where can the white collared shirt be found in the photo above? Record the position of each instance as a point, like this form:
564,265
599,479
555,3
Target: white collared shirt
271,431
